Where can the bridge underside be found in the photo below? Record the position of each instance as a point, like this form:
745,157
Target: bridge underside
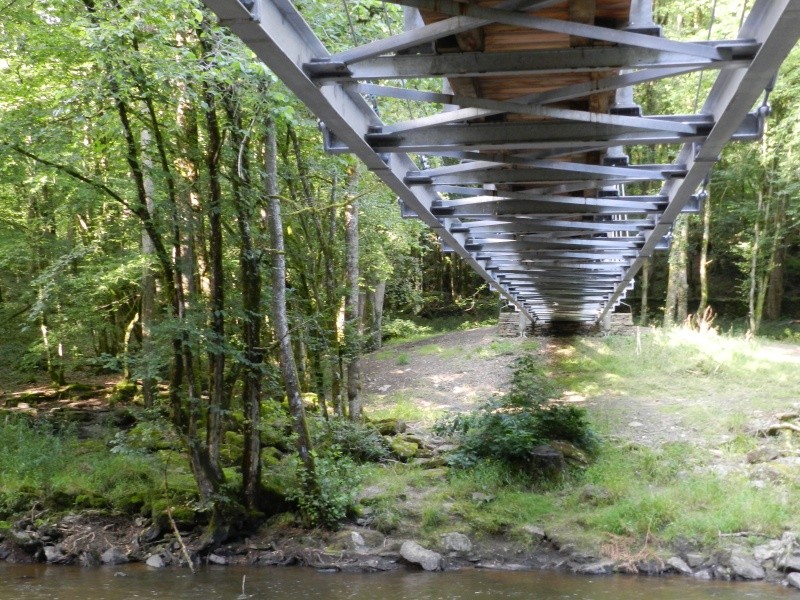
517,144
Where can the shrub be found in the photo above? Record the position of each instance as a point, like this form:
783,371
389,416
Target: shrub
507,428
325,499
357,441
403,328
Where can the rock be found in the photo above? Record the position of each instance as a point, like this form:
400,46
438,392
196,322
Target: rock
789,562
768,551
595,495
793,579
635,424
704,574
760,455
390,426
537,533
602,567
722,572
456,542
694,559
150,535
571,453
216,559
547,460
156,561
745,567
114,556
414,553
357,541
403,449
679,565
482,498
55,555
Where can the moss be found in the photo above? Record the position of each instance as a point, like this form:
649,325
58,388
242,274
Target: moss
124,391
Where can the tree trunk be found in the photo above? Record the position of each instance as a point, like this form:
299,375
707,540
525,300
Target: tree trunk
353,329
754,316
701,308
645,308
148,283
280,320
250,268
675,309
375,302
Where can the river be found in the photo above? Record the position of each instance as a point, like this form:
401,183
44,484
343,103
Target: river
41,582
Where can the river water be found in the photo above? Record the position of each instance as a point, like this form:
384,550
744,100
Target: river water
40,582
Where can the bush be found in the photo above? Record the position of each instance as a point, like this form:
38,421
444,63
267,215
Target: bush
357,441
507,428
325,499
403,328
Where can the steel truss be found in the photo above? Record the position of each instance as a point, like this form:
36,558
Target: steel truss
531,187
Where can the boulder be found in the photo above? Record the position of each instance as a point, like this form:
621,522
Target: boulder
679,565
695,559
390,426
156,561
744,567
793,579
603,567
216,559
456,542
768,551
428,559
537,533
547,460
595,495
55,555
403,449
114,556
789,562
704,574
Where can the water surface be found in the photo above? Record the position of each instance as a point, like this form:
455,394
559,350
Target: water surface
42,582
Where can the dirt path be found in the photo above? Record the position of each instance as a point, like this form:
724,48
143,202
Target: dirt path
454,371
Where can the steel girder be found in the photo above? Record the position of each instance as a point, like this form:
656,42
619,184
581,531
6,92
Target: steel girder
519,162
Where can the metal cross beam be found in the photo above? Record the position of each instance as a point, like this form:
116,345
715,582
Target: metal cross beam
518,162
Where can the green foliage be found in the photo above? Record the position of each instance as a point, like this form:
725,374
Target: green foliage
325,497
358,441
403,328
508,427
52,467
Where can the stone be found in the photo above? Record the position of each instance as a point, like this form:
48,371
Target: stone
602,567
403,449
216,559
789,562
390,426
571,453
793,579
768,551
595,495
548,460
481,498
704,574
744,567
535,532
114,556
155,561
760,455
456,542
55,555
694,559
428,559
679,565
722,572
150,535
357,540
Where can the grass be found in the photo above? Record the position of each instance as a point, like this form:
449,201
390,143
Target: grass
406,408
40,464
635,498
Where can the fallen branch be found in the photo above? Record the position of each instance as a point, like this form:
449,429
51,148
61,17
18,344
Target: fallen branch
743,534
777,427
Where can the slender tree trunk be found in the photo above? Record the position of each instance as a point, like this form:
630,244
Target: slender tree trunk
250,268
375,298
280,320
701,308
645,307
353,330
148,283
754,317
675,309
217,401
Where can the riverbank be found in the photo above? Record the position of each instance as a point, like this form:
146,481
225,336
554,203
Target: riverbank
697,471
